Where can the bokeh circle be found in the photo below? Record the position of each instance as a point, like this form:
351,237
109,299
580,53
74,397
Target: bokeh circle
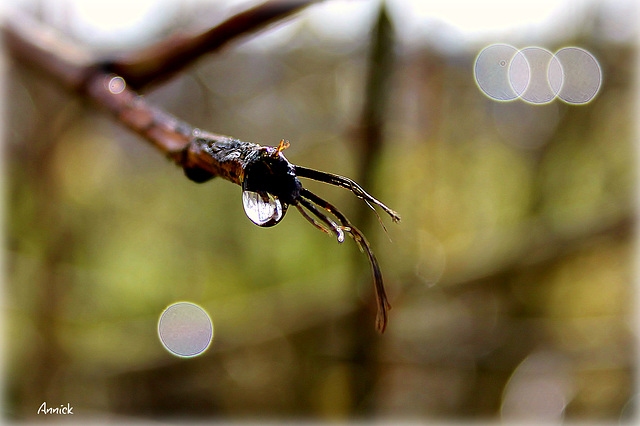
185,329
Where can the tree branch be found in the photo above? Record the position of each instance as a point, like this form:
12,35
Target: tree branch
46,50
76,69
264,173
161,61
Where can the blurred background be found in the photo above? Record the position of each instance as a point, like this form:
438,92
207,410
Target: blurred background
511,275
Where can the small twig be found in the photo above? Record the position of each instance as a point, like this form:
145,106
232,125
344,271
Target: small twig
164,59
46,50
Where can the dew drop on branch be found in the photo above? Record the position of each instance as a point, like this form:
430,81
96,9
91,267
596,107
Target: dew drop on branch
262,208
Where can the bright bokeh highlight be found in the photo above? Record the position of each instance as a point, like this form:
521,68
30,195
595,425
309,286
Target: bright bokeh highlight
492,72
117,85
185,329
538,89
537,76
581,74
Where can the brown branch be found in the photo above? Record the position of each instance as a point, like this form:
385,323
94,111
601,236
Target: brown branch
261,170
46,50
161,61
75,69
165,132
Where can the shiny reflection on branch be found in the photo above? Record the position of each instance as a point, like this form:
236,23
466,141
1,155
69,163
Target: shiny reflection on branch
117,85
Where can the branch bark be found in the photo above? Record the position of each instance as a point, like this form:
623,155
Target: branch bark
110,84
159,62
76,69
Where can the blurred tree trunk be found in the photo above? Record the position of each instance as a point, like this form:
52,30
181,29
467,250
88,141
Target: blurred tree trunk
364,340
41,380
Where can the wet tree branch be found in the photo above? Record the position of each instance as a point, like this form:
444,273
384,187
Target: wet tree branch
266,176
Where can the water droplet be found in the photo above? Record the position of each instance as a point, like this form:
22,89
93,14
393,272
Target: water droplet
117,85
340,235
263,208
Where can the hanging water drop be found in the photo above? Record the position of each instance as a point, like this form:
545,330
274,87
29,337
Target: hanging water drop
263,208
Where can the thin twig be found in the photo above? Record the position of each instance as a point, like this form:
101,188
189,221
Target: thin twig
46,50
164,59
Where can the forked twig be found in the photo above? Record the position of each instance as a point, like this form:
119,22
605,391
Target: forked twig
169,56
